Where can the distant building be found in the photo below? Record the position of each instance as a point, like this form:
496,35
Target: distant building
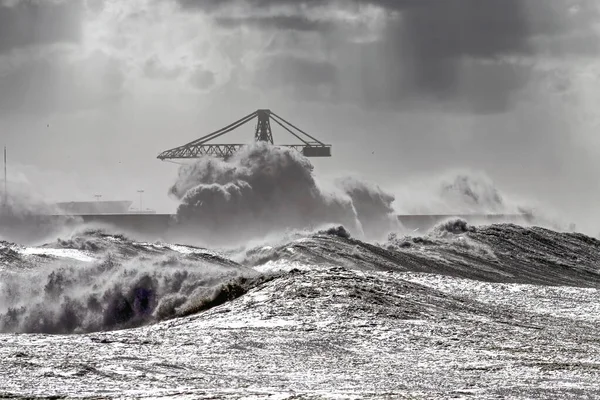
94,207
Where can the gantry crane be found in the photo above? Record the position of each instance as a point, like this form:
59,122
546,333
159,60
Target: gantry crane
310,146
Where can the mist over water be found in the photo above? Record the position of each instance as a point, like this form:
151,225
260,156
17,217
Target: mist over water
373,206
473,192
27,218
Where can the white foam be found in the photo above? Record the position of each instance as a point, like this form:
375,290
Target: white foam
60,253
283,266
179,248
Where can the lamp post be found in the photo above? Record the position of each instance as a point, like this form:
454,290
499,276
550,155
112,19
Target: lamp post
5,197
141,192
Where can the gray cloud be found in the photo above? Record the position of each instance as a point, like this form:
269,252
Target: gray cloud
436,42
465,54
155,69
36,22
50,83
462,52
202,79
277,22
443,30
433,28
283,70
430,51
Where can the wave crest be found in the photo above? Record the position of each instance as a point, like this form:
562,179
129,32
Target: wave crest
117,292
264,189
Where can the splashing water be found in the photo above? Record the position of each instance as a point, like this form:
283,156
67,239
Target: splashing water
130,285
264,189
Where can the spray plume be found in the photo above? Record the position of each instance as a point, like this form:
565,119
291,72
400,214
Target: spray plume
264,189
27,218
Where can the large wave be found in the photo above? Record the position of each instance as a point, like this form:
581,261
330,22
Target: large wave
119,283
130,285
496,253
264,189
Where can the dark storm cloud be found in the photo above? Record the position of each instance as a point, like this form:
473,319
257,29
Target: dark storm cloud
298,22
424,51
467,53
453,51
288,69
458,49
436,28
278,22
439,30
212,5
301,77
435,33
38,22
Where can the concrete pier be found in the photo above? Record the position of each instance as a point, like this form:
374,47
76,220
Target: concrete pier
34,229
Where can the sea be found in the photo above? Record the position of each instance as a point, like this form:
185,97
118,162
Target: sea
461,311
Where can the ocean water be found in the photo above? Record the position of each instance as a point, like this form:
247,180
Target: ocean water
500,311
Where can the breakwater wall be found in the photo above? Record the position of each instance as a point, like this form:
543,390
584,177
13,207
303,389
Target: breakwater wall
36,229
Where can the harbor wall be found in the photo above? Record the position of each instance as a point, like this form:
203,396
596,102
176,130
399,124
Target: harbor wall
35,229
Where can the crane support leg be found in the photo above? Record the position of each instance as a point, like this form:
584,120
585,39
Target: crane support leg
263,127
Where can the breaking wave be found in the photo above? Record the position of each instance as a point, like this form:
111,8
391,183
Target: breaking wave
130,284
497,253
457,192
473,192
96,282
264,189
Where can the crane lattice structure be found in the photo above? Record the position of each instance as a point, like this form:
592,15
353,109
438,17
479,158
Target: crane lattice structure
310,146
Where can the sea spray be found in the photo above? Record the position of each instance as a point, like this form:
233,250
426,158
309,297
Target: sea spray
264,189
129,285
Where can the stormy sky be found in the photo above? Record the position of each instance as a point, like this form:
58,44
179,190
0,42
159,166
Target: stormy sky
406,90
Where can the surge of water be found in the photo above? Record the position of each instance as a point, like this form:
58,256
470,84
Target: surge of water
97,282
127,284
264,189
